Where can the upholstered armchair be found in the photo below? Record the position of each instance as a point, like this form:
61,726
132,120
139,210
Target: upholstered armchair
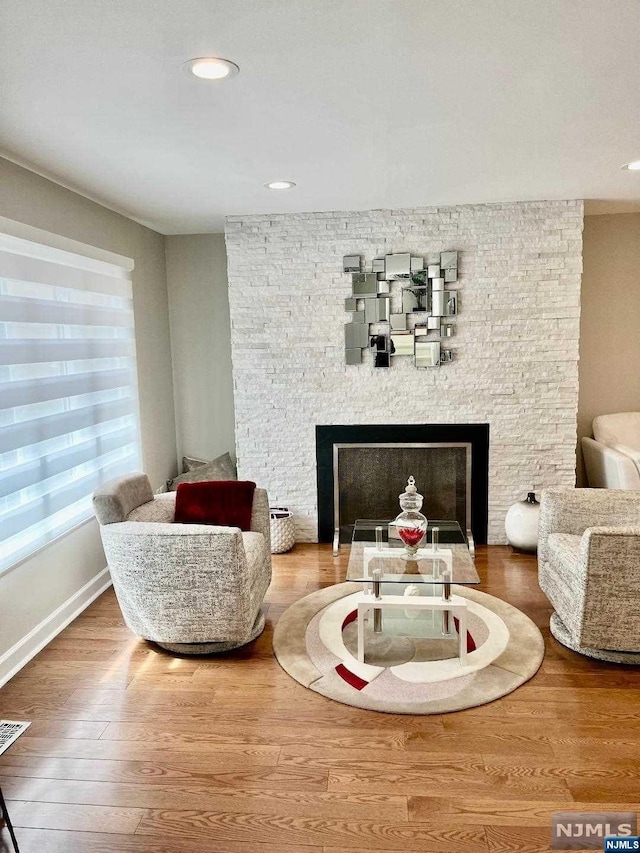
612,456
589,569
190,588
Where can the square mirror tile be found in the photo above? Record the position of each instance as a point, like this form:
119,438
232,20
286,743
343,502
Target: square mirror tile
356,335
398,322
403,343
352,263
448,260
364,284
427,353
397,265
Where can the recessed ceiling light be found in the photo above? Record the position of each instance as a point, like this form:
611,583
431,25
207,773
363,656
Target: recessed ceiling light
633,166
211,68
280,185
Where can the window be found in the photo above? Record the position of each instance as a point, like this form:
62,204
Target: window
68,389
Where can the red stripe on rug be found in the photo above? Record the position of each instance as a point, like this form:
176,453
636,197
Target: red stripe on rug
471,643
349,618
351,678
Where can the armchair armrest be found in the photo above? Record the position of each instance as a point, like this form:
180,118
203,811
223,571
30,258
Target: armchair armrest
611,560
566,510
611,467
260,519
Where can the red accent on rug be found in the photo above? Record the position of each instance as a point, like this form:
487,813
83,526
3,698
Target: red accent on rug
350,677
349,618
471,643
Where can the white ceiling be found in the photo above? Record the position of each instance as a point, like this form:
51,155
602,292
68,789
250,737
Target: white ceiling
364,103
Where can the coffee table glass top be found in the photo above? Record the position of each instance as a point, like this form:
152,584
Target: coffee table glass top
450,563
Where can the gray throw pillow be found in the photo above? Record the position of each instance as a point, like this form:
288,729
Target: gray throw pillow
190,462
221,468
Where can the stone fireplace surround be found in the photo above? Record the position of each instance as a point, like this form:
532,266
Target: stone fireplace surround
450,461
515,347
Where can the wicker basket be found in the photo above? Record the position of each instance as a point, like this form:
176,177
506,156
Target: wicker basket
283,533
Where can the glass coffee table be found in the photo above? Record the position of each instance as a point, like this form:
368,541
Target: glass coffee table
410,594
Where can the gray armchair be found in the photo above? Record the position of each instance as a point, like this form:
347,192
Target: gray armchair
190,588
589,569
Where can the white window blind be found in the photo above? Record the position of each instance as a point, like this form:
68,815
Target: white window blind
68,389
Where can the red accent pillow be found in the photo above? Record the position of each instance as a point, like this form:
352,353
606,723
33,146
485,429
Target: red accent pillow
228,503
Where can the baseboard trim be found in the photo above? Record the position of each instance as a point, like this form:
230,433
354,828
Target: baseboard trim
28,647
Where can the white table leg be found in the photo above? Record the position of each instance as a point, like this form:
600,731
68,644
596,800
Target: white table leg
361,618
462,635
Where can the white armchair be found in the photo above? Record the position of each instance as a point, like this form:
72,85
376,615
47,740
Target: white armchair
612,456
190,588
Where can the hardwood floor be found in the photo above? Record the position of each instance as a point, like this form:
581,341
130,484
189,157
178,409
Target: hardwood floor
135,751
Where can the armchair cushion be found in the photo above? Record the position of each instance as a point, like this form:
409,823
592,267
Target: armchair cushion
226,502
161,509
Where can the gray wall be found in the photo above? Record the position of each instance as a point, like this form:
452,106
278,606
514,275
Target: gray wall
31,591
610,322
201,344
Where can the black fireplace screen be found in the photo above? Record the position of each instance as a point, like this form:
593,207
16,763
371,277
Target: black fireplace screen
450,463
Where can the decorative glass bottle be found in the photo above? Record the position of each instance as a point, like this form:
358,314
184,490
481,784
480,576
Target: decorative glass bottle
411,524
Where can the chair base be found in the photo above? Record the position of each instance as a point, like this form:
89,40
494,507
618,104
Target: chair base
214,648
562,635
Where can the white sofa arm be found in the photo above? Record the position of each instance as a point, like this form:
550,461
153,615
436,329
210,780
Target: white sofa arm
609,467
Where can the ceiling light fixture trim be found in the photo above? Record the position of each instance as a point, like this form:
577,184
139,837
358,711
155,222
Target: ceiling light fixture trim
211,68
280,185
633,166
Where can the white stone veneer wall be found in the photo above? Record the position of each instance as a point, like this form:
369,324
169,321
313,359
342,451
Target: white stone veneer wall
515,347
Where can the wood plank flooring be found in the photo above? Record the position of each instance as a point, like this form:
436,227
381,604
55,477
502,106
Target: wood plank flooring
132,750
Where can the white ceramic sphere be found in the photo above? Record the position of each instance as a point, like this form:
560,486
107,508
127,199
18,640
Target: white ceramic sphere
521,526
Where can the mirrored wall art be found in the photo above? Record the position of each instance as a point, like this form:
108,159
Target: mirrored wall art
398,309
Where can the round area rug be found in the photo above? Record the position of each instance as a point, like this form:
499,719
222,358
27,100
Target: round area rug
409,668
